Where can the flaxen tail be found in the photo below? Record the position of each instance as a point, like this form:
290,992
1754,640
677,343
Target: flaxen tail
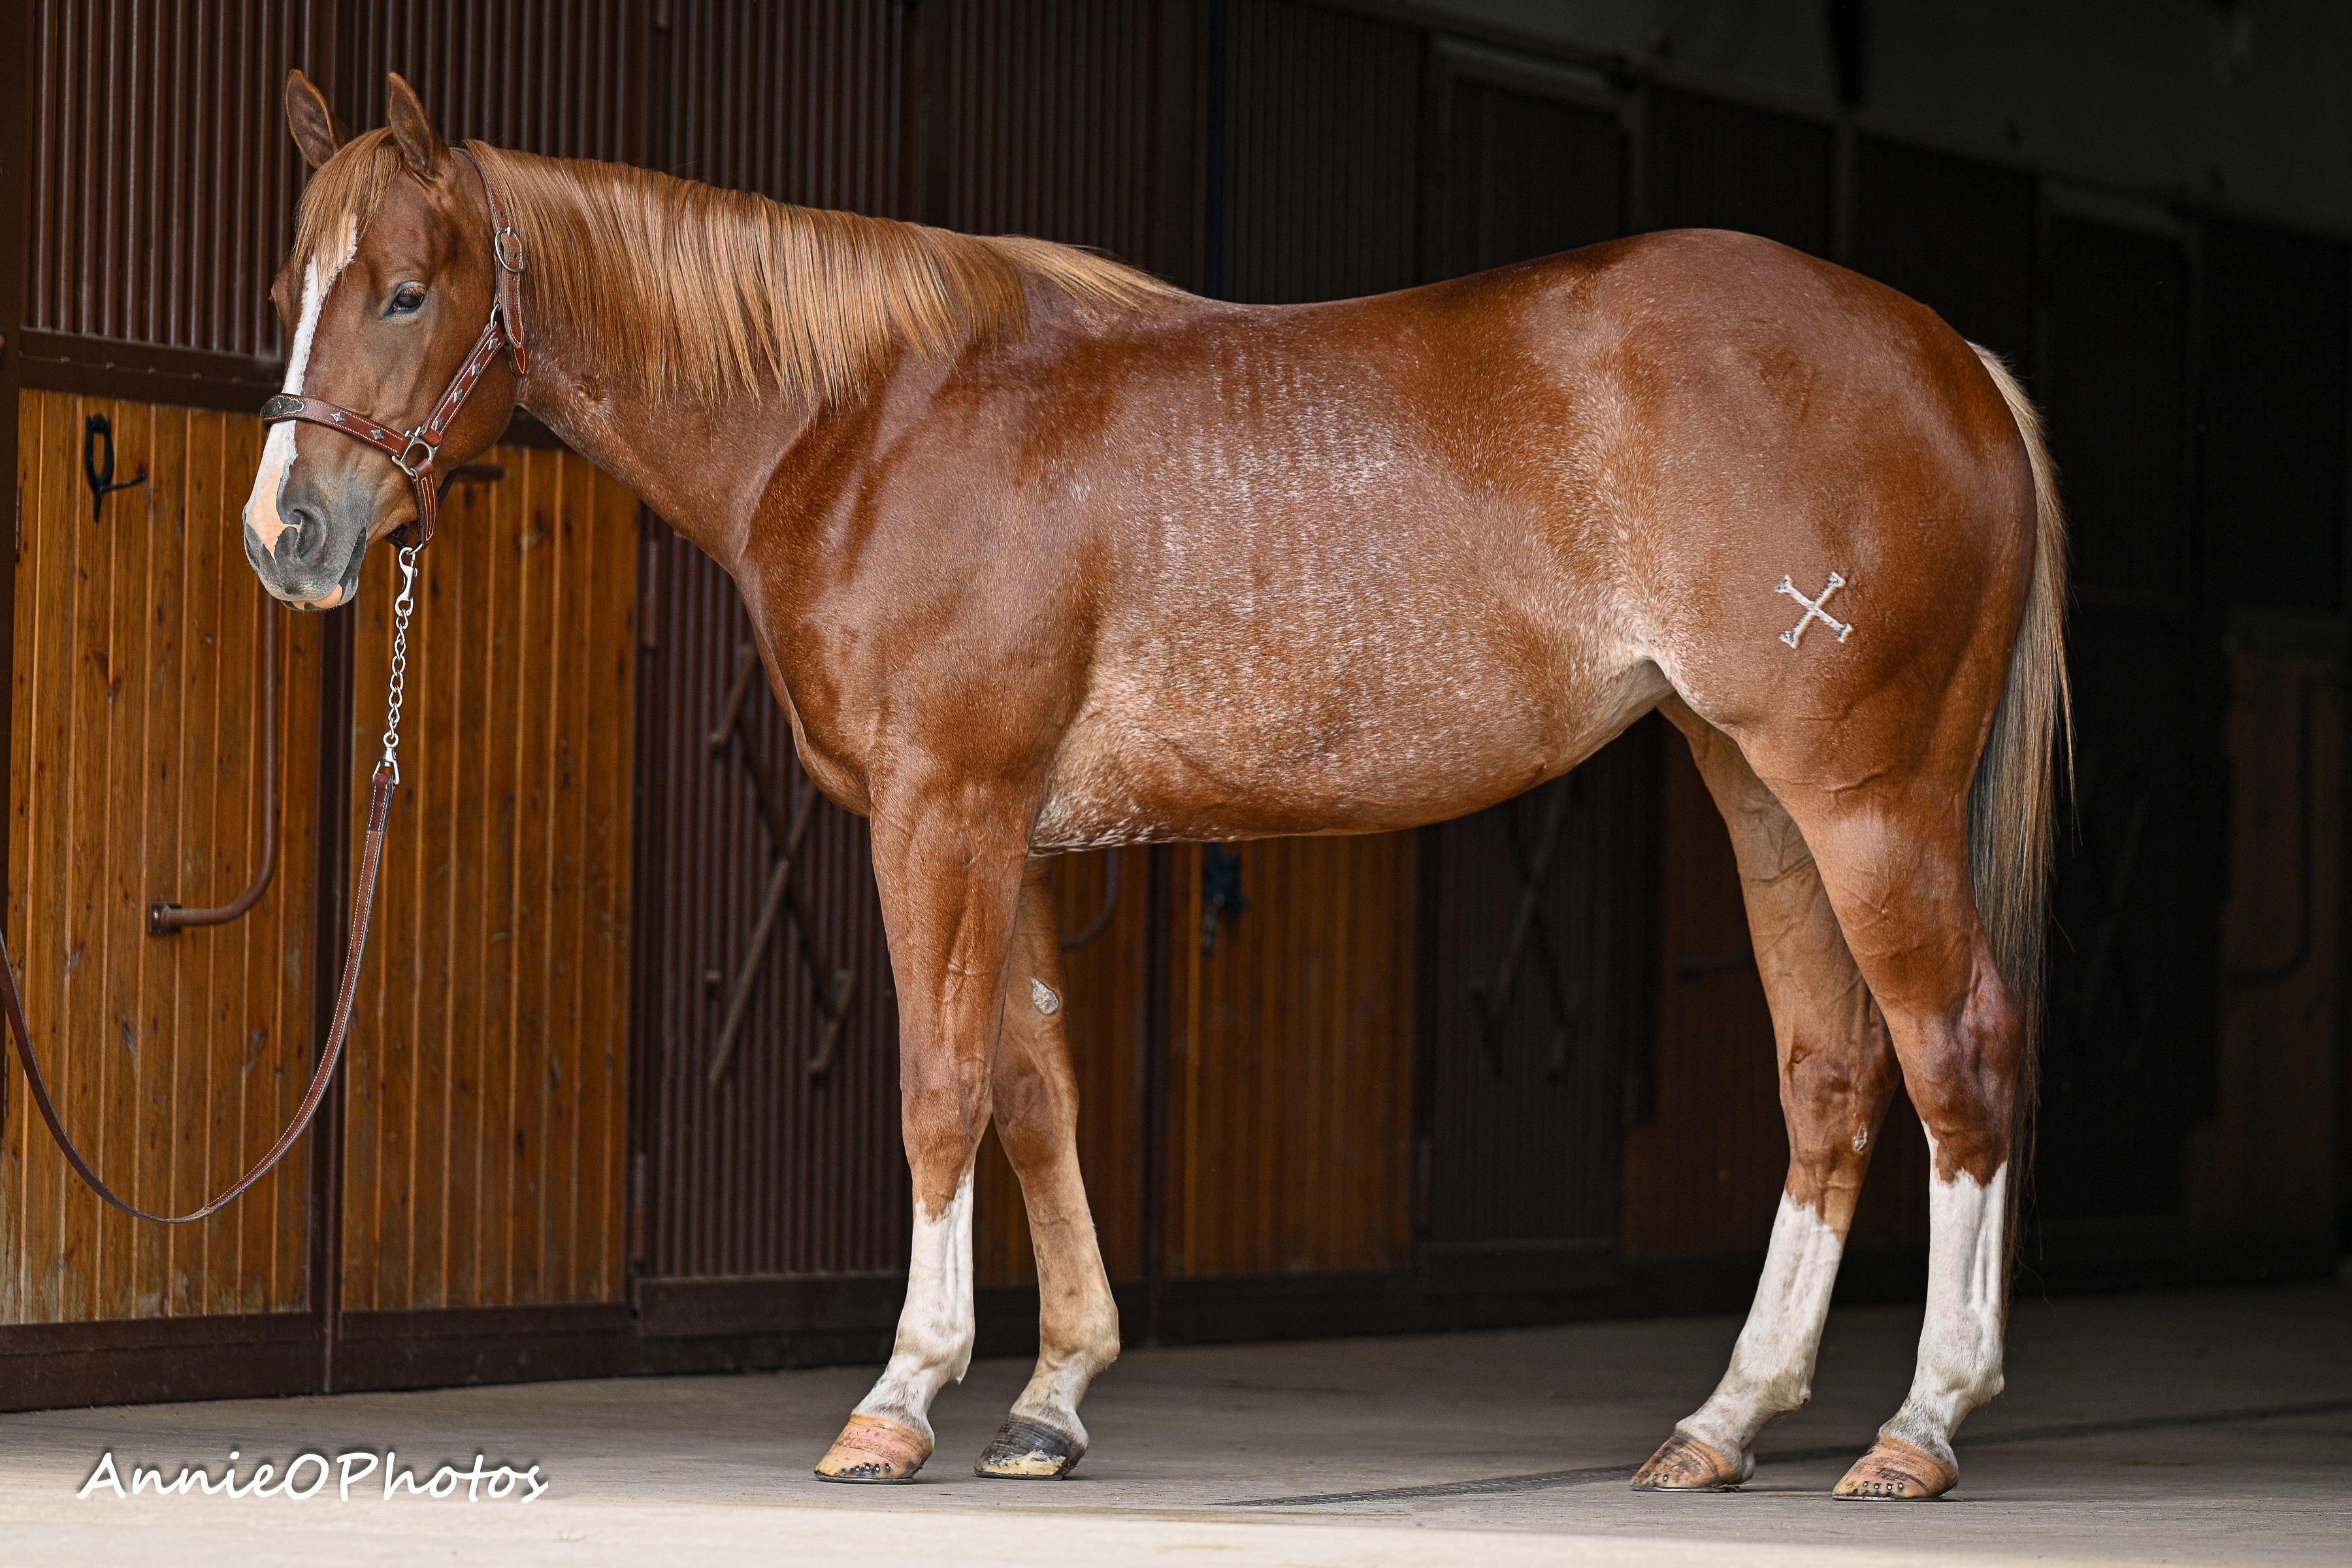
2012,805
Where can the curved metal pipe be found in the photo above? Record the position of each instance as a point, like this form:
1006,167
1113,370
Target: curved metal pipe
1101,922
164,918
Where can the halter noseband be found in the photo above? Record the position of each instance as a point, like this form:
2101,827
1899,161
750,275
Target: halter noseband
416,451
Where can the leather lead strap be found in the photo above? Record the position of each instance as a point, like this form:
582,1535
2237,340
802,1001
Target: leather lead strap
362,906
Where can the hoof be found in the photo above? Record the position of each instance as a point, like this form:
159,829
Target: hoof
876,1451
1029,1451
1686,1465
1894,1471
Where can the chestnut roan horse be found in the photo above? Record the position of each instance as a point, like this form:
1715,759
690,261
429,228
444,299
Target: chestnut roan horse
1045,555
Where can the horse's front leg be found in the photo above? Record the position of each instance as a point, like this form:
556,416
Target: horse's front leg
949,871
1036,1110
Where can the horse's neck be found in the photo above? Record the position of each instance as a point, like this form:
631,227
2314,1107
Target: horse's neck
702,467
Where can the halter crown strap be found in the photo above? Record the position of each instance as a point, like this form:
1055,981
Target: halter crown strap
505,249
417,451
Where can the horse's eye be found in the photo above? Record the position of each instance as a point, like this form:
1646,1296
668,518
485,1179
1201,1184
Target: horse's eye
408,299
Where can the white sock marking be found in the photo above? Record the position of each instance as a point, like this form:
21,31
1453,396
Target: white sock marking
936,1326
1960,1340
1771,1369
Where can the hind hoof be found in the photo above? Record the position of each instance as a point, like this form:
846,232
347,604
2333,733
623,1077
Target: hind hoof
1029,1451
1686,1465
875,1451
1894,1471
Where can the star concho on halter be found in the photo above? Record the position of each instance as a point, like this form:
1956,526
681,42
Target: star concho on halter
1813,611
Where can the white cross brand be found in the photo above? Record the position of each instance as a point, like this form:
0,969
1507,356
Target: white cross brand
1813,610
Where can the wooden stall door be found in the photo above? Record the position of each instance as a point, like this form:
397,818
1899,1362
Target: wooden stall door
786,1165
134,777
1541,966
484,1149
1290,1054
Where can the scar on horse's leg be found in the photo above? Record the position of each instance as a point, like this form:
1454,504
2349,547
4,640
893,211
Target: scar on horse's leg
1037,1112
947,901
1898,872
1837,1074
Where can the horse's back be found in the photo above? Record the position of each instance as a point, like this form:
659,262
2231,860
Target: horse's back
1388,560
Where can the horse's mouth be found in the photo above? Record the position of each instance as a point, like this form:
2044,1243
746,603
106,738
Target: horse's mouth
335,597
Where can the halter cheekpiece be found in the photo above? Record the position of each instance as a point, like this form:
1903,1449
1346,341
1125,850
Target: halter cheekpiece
417,452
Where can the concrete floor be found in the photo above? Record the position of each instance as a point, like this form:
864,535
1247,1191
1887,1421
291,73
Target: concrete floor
2195,1428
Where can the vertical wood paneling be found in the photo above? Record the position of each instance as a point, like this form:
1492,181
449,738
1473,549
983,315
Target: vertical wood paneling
1527,1106
1291,1072
1051,107
774,1170
133,778
2273,341
1713,165
1523,175
564,80
1324,130
800,102
167,180
485,1130
1955,235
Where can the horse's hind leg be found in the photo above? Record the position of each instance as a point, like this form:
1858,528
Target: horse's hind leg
1837,1074
1037,1112
1894,861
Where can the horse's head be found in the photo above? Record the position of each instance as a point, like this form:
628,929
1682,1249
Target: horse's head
384,293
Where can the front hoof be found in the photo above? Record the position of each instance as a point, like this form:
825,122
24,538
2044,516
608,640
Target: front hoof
1894,1471
1029,1451
1686,1465
876,1451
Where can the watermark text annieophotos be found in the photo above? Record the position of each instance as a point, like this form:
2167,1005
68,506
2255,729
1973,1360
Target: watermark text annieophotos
307,1474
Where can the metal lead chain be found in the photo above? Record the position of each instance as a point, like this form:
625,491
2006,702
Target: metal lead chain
401,608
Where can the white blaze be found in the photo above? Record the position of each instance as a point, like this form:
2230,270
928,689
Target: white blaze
935,1327
277,451
1771,1367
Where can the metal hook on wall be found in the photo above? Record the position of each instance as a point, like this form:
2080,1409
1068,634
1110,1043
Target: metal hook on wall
101,474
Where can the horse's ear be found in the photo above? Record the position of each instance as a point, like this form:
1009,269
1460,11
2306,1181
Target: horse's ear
414,133
312,122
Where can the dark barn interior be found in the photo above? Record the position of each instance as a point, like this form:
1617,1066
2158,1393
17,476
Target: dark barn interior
623,1095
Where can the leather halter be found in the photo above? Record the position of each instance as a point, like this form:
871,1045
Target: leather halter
417,452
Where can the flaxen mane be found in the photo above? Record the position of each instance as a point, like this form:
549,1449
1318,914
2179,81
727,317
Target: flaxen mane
718,294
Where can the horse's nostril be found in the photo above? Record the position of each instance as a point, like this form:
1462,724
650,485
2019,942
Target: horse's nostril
309,531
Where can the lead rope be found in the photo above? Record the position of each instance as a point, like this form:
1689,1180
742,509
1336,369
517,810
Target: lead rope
386,774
